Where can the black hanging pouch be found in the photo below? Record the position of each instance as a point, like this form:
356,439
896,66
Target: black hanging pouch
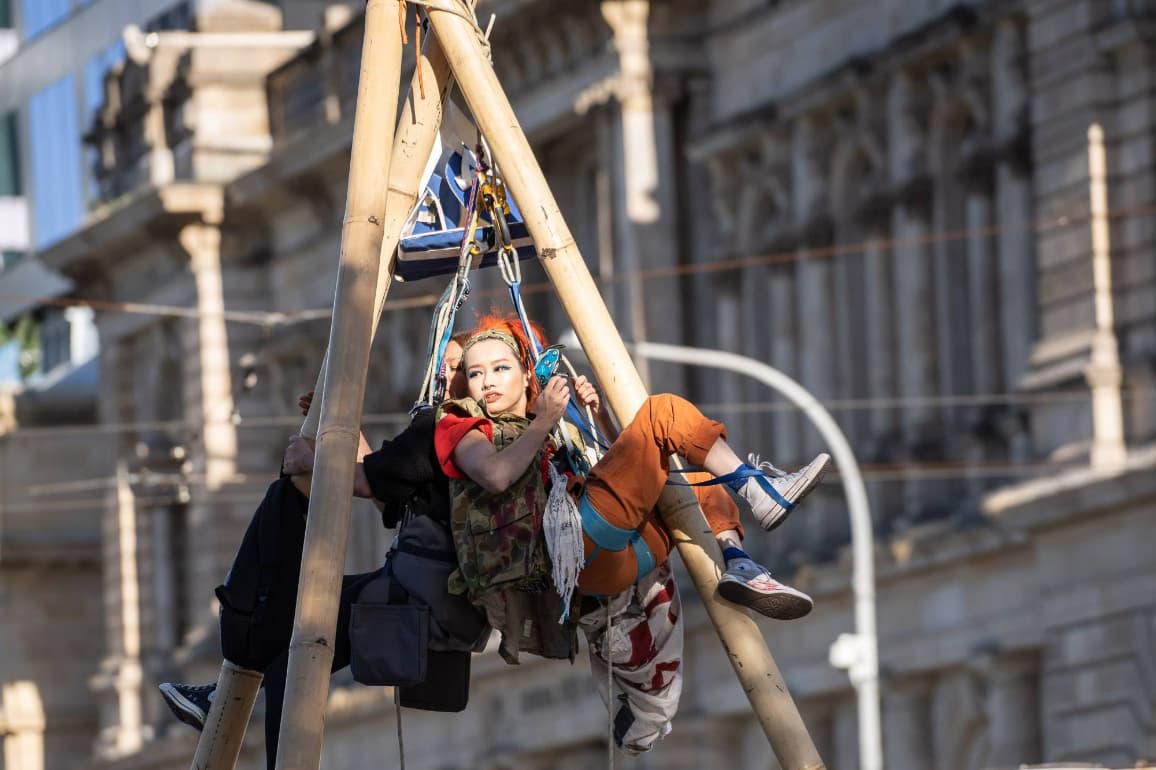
388,637
406,628
446,686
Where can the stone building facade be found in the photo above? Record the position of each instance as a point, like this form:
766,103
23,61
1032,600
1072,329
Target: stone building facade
889,201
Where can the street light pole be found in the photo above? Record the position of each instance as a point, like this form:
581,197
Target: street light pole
858,653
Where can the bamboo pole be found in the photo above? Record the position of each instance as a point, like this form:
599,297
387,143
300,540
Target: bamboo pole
752,661
351,331
414,139
220,742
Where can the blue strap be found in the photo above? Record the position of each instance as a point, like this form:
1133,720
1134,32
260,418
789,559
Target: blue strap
774,493
612,538
734,479
603,533
574,415
643,556
739,474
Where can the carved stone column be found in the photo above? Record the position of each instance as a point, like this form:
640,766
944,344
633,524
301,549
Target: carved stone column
816,291
119,680
907,725
728,314
1017,274
813,271
914,292
915,325
983,286
857,166
209,391
958,721
162,167
879,333
757,341
845,736
985,312
1013,711
704,742
647,185
760,176
784,329
1014,243
22,724
721,238
878,286
208,401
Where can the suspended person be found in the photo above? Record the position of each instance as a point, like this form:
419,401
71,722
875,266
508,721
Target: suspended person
498,453
403,475
622,489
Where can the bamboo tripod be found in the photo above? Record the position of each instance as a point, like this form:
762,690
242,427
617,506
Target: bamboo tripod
311,650
227,721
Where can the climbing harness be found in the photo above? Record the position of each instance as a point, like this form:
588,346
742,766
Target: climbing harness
608,537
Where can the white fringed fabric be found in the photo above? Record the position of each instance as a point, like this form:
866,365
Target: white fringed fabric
562,525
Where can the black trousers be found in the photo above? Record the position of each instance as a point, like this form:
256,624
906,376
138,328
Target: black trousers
259,599
275,673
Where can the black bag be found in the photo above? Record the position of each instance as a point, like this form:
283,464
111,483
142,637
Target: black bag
446,686
259,594
422,560
389,642
407,630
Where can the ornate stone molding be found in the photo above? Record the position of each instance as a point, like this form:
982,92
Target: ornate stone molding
543,41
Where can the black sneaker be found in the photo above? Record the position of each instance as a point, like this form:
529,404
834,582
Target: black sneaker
189,703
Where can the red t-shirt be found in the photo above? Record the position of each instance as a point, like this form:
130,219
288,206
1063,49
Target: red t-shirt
450,431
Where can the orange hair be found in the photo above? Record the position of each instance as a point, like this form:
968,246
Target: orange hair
512,326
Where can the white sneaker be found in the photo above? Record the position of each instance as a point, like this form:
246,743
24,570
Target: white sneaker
775,493
751,585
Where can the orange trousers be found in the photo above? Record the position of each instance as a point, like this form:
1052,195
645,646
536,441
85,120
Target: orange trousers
625,485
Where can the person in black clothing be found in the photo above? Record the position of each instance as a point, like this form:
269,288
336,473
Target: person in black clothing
403,476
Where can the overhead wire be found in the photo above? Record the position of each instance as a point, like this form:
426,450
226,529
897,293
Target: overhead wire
277,319
173,426
871,472
1073,395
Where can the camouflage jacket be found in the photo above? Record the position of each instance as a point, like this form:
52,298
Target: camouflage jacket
502,559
